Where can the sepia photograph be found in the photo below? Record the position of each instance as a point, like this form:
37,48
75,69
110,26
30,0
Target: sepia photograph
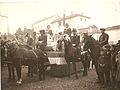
60,44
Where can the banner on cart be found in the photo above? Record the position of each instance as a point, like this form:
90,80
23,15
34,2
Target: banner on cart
57,60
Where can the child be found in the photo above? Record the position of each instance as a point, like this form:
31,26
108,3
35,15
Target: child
104,70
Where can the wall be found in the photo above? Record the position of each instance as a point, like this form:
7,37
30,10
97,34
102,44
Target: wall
77,22
114,35
43,24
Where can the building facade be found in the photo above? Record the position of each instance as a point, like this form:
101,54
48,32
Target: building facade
57,23
42,24
74,20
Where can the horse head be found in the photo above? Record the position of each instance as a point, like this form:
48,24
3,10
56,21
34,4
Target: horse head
11,48
89,42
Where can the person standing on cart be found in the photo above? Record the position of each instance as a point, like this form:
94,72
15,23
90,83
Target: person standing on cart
42,40
75,39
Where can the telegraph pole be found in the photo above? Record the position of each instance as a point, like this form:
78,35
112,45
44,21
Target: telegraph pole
64,18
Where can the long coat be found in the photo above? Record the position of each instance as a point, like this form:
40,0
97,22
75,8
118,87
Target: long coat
43,42
75,40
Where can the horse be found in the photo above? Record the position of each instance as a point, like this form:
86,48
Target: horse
93,45
73,55
7,61
19,56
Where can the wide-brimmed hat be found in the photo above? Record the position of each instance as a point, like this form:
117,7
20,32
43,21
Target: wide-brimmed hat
102,29
74,30
42,31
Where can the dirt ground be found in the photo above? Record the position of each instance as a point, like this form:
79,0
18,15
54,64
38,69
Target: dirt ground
52,83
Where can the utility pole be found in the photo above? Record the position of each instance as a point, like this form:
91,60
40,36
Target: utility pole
64,18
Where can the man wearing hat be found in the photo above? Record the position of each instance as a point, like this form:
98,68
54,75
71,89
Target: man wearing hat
75,39
104,37
67,30
42,40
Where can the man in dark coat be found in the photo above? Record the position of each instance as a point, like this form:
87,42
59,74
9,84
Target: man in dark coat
29,41
104,37
67,30
42,40
75,39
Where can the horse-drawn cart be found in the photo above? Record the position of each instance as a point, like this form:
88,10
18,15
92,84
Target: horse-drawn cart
58,63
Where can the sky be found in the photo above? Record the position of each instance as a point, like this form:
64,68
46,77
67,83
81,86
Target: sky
24,13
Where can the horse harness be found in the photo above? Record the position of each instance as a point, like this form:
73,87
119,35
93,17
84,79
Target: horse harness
34,53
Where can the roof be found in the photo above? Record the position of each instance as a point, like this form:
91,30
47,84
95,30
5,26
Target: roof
69,17
92,27
46,19
84,28
4,16
113,27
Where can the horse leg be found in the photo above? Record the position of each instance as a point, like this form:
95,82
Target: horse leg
39,67
85,63
35,69
113,74
32,68
102,78
74,67
13,72
9,71
18,70
98,72
28,71
88,65
68,63
85,68
107,77
44,70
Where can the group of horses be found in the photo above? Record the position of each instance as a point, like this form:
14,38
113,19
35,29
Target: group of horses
18,55
15,56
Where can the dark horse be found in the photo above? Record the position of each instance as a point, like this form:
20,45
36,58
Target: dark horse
19,56
73,55
6,61
91,44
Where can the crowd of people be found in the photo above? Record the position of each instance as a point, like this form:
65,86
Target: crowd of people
107,53
107,64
